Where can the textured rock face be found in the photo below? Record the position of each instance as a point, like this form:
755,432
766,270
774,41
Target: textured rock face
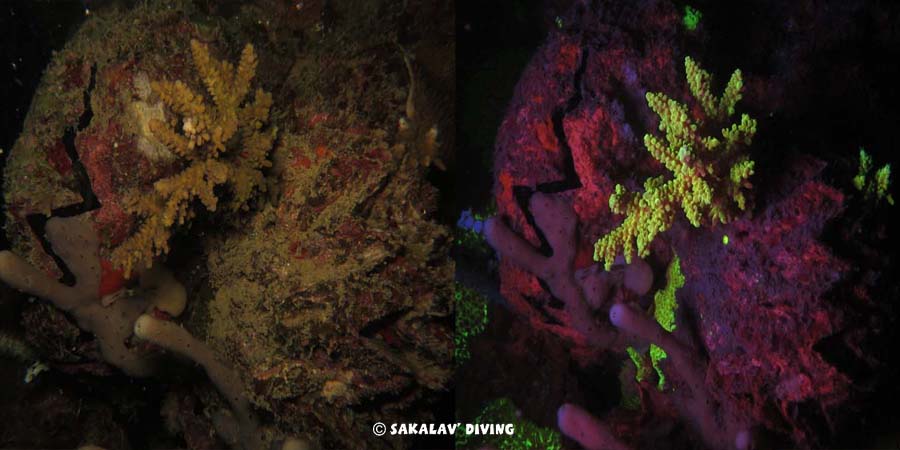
330,291
576,120
762,301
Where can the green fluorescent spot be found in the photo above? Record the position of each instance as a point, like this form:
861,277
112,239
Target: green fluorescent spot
527,435
873,187
657,354
865,164
725,239
664,302
640,364
692,18
664,306
471,320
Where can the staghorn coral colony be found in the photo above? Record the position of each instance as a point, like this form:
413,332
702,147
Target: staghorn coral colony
243,187
709,174
202,141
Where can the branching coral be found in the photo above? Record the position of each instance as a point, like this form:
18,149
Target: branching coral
709,174
873,187
221,143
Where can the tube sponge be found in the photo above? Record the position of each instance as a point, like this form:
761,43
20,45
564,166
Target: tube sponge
76,242
591,433
718,427
168,294
174,338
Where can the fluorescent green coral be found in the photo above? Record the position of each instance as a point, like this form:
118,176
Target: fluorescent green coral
471,320
664,306
664,302
657,354
642,369
526,435
865,165
691,17
877,186
709,174
700,83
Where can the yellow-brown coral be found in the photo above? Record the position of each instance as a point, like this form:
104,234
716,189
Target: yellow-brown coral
221,143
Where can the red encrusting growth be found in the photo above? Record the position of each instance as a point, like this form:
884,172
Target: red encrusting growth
59,159
112,280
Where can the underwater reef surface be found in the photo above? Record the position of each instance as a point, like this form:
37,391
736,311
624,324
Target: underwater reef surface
785,307
255,172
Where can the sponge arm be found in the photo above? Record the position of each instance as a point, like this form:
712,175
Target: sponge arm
173,337
19,274
695,401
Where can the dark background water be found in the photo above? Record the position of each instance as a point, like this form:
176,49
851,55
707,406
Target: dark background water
30,32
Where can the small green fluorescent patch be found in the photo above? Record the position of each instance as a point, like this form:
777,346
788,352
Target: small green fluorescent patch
527,434
873,187
657,354
642,368
691,18
725,239
664,306
471,320
664,302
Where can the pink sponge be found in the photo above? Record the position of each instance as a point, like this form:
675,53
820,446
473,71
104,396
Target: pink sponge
584,428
